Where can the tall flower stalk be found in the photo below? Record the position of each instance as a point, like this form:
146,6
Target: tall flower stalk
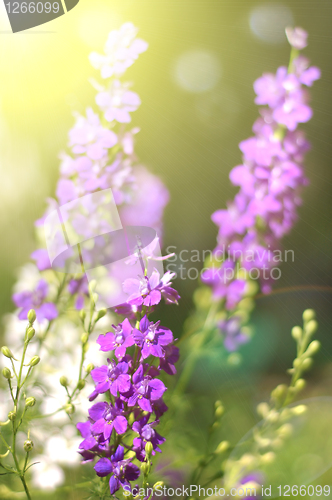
270,179
100,156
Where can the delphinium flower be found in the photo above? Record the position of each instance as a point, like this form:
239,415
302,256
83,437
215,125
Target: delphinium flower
121,428
100,156
270,178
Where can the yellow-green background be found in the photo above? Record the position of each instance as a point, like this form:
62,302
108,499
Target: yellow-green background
44,76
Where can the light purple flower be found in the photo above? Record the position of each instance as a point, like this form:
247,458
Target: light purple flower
118,102
107,417
148,291
36,300
119,340
42,259
297,37
145,390
113,378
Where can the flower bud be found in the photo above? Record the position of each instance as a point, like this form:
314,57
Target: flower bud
12,415
148,448
296,362
28,445
279,392
300,384
215,426
81,384
95,297
101,314
158,485
299,410
311,327
297,333
219,411
263,409
285,430
32,316
84,338
144,468
34,361
308,315
82,314
222,447
268,457
30,333
89,368
92,285
6,373
31,401
70,409
307,364
64,381
7,352
313,348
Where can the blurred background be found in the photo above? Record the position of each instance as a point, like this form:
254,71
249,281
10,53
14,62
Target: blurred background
196,86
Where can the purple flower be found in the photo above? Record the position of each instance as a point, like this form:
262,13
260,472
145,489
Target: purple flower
107,417
145,390
122,470
171,356
232,331
119,340
79,287
152,338
113,377
118,102
148,291
297,37
146,433
36,300
42,259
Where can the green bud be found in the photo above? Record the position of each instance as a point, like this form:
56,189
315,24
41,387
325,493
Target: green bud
89,368
148,448
300,384
70,409
81,384
311,327
6,373
279,392
145,468
308,315
64,381
297,333
84,338
296,362
92,285
285,430
131,418
307,364
263,409
215,426
299,410
95,297
158,485
101,314
34,361
82,314
313,348
222,447
85,347
12,415
7,352
31,401
219,412
32,316
28,445
30,333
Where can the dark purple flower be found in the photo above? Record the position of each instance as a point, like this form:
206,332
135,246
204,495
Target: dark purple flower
171,356
119,340
122,470
232,332
145,390
113,377
146,433
36,300
152,338
106,417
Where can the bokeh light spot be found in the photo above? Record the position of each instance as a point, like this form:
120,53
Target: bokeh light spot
268,22
197,71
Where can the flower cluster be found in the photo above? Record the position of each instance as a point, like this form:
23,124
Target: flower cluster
270,179
100,156
119,428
